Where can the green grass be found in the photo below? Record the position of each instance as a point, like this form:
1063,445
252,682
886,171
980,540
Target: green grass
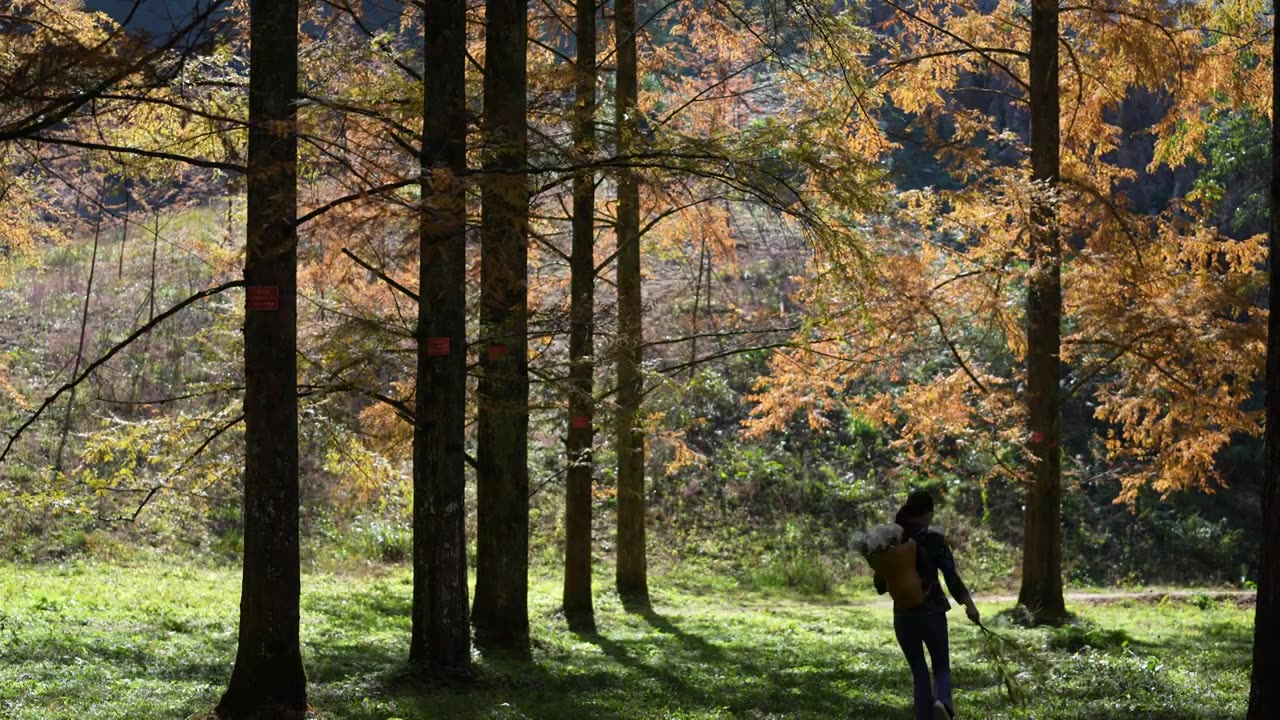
148,642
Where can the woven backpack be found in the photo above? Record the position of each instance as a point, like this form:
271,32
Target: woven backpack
897,565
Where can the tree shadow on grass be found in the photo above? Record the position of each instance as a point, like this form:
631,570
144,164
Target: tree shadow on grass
85,663
344,642
1216,648
1101,672
754,679
347,638
674,672
377,604
669,680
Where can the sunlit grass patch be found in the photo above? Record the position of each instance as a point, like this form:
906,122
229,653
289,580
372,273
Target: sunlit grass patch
152,642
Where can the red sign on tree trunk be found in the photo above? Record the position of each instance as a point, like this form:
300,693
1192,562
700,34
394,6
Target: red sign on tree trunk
262,297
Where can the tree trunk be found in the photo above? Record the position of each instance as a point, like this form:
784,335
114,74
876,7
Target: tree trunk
697,302
268,679
124,229
632,570
1264,693
84,324
581,435
1041,590
441,635
155,245
500,613
140,369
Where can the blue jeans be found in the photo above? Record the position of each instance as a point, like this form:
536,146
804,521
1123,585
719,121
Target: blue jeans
916,632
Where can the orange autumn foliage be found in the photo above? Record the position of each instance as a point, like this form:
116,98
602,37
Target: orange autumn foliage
1162,333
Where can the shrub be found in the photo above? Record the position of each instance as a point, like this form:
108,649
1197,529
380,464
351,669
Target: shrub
1079,635
804,573
798,560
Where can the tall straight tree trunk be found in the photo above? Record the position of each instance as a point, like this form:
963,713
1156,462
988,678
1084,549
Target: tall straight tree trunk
84,324
155,245
1041,590
1264,693
697,304
632,569
140,369
578,609
441,635
124,230
500,613
268,679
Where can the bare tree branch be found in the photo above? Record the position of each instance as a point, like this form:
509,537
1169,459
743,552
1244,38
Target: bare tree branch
383,276
156,154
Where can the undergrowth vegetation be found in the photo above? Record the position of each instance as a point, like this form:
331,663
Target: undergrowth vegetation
140,473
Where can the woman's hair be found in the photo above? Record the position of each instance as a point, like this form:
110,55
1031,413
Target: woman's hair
919,504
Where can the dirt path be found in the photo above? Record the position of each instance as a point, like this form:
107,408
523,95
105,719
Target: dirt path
1243,598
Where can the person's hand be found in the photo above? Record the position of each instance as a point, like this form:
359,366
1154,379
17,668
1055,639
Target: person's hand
972,611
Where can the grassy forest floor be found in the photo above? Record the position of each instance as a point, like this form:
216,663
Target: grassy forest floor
150,642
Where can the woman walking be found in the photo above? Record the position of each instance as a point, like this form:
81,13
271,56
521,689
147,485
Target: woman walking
919,611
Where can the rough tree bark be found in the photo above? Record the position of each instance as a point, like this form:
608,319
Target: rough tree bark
1264,693
1041,590
500,612
632,568
268,679
441,635
578,609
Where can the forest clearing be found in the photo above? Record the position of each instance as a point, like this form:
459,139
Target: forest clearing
148,642
390,359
